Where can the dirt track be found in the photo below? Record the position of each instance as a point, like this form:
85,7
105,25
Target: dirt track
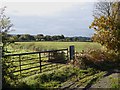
107,81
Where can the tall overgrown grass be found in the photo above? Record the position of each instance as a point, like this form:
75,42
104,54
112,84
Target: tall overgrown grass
102,59
50,79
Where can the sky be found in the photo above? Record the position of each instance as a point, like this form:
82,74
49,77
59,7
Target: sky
70,18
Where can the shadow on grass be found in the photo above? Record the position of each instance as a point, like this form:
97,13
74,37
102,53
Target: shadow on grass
108,67
90,84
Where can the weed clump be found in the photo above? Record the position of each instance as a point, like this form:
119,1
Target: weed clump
100,59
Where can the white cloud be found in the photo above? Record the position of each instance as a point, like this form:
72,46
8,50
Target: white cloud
38,8
49,0
50,17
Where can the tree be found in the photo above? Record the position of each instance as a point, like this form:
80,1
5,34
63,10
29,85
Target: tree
39,37
5,27
62,37
48,38
107,25
103,8
26,37
14,38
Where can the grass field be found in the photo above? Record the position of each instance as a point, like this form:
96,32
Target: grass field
56,78
19,47
54,75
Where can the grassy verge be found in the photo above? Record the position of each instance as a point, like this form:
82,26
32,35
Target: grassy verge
115,82
56,79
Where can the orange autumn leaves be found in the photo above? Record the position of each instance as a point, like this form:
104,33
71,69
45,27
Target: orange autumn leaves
107,32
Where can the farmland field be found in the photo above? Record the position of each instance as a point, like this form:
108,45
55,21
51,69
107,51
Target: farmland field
51,74
23,47
19,47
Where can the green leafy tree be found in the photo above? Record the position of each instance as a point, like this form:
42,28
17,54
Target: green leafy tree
107,27
5,28
39,37
26,37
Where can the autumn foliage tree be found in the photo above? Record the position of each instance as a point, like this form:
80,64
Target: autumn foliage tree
107,28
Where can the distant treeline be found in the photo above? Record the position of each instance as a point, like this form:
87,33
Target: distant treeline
41,37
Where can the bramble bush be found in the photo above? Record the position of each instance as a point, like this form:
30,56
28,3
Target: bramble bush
98,59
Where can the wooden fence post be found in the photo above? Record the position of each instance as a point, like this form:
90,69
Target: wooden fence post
72,52
67,55
48,55
0,65
20,65
40,62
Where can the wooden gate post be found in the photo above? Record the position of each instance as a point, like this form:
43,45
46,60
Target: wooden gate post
20,66
40,62
0,65
72,52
